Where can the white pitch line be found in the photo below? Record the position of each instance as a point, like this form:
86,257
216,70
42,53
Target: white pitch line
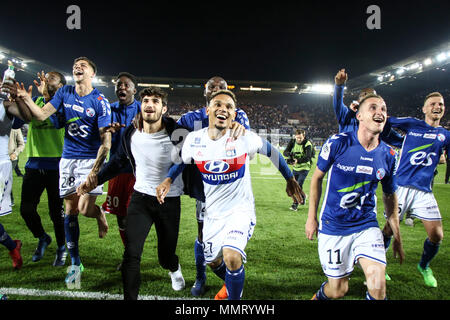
80,294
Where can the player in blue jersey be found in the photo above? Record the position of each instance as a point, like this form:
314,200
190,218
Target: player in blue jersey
346,116
87,141
348,231
424,143
193,121
120,188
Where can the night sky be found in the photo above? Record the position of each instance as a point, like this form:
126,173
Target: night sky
238,40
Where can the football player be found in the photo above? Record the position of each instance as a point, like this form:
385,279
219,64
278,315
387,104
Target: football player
230,210
424,143
348,230
87,141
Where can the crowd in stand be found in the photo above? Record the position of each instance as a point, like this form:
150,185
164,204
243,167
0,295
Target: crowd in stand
318,119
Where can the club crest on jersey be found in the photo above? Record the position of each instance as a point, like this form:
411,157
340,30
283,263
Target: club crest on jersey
217,166
90,112
441,137
381,173
230,148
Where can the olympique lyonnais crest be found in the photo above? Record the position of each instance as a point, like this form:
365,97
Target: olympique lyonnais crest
230,148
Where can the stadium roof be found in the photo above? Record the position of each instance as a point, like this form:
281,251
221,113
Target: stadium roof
438,59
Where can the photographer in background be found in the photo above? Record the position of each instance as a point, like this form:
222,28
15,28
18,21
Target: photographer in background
300,152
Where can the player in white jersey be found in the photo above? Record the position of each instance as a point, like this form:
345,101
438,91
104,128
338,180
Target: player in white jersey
230,209
348,232
87,142
8,110
423,146
196,120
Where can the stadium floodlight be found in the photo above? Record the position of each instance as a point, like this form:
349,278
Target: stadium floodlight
252,88
318,89
441,56
160,85
380,78
2,56
400,71
427,61
414,66
68,78
322,88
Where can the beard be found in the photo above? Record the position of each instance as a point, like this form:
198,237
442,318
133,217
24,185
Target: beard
51,91
152,118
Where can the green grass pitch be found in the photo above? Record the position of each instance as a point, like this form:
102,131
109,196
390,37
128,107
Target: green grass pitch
282,264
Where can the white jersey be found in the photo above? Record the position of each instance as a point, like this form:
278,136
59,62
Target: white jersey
5,162
153,156
225,169
5,130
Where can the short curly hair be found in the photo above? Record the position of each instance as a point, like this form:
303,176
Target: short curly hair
227,92
154,91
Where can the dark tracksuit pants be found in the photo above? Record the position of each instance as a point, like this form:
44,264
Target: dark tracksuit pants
143,211
33,185
300,177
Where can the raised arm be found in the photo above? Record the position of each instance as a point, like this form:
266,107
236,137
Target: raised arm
340,109
17,106
37,112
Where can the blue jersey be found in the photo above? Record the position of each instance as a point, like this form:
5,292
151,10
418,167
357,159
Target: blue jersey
123,115
82,116
198,119
350,202
421,151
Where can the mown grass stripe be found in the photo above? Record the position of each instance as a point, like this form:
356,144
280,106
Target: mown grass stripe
81,294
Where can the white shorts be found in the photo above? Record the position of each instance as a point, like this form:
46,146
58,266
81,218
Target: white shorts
72,173
232,232
6,181
419,204
339,254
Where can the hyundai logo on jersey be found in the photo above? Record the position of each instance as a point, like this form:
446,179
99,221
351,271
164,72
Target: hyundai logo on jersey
222,171
217,166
